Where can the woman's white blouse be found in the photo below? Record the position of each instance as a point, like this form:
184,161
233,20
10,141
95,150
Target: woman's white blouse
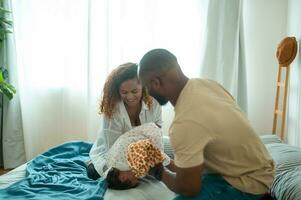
119,124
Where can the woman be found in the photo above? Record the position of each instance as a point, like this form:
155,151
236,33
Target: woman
124,105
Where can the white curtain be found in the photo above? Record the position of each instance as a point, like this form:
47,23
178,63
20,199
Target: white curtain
294,102
223,58
51,43
293,125
65,49
12,136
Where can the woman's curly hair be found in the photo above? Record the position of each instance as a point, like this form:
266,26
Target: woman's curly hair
111,94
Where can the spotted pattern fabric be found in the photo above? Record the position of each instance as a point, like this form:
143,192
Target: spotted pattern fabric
118,153
142,156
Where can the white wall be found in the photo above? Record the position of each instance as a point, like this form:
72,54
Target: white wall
265,26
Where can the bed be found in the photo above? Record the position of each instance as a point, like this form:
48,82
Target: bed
286,186
60,173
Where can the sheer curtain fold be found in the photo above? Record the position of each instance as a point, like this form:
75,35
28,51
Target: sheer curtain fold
223,58
294,104
294,100
12,135
66,48
52,52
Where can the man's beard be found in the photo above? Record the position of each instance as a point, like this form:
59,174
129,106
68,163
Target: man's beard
161,100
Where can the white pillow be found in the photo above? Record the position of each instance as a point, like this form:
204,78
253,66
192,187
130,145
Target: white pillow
287,182
286,156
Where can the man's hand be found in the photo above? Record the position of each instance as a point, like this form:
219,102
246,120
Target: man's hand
157,171
171,167
185,181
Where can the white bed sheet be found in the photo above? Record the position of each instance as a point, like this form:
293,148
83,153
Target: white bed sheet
13,176
148,189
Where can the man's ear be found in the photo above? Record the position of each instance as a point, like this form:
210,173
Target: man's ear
156,83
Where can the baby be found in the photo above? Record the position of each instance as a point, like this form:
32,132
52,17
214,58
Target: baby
133,154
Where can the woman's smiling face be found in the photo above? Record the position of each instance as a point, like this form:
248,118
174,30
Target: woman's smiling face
131,92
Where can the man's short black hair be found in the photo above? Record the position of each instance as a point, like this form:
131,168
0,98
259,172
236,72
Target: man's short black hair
157,60
115,183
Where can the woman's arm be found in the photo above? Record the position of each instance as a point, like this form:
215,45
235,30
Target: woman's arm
110,130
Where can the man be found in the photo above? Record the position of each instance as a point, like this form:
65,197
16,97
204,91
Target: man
209,132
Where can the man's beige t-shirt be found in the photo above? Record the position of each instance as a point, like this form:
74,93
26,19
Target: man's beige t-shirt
209,128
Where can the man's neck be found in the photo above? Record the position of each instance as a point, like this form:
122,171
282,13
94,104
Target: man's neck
178,89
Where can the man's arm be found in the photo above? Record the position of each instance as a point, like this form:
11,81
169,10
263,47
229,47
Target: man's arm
171,167
185,181
189,157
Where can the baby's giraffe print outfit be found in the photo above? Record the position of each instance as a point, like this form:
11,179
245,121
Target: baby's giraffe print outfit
142,156
138,150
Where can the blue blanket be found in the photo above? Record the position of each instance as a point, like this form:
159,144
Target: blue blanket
59,173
